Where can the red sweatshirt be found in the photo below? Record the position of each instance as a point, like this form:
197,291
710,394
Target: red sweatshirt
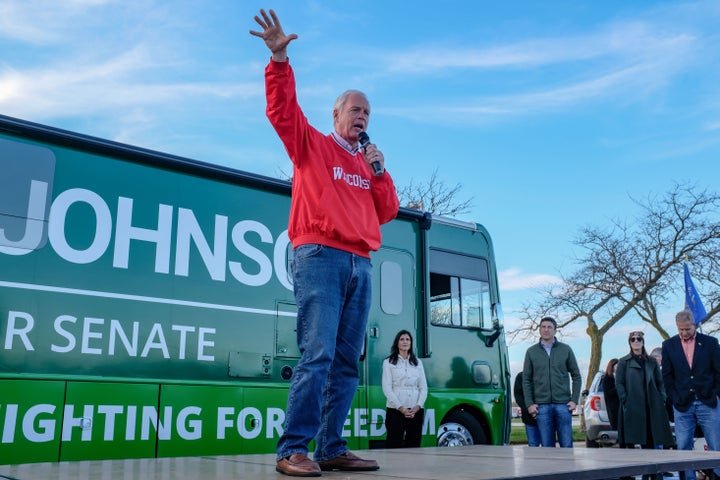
336,200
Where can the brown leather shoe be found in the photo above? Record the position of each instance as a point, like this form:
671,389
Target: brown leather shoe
298,465
348,462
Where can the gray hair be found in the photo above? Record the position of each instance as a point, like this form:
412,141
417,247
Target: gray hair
685,316
340,101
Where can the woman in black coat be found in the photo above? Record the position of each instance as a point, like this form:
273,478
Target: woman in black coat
642,418
531,428
612,401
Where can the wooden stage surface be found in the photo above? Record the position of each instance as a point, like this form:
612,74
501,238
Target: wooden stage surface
462,463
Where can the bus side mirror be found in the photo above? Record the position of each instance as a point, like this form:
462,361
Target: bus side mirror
497,316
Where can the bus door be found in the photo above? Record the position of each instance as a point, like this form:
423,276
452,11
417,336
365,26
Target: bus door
468,354
393,309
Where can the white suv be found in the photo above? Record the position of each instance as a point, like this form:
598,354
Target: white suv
598,432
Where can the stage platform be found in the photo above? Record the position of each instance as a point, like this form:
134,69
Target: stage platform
461,463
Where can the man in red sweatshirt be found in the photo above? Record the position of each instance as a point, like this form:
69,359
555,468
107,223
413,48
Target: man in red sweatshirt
338,205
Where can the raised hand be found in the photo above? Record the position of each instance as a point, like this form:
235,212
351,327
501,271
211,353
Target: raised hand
273,35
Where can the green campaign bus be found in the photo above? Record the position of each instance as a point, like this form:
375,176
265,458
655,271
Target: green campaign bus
146,309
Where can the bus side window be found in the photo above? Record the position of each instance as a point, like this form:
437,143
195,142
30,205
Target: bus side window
459,292
391,288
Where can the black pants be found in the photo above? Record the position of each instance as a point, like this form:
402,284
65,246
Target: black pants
403,432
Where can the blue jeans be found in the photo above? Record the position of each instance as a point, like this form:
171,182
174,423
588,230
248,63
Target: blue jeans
685,423
533,435
552,418
332,293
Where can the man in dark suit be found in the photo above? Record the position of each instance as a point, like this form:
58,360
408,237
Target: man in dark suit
691,371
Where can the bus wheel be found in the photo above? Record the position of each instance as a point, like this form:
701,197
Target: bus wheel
460,429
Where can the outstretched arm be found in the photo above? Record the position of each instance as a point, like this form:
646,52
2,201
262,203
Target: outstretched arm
273,34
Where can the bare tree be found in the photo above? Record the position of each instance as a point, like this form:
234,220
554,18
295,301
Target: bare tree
434,196
634,268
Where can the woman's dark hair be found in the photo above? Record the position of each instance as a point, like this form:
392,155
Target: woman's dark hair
395,351
610,365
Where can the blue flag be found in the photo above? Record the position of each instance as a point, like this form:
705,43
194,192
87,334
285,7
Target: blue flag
692,299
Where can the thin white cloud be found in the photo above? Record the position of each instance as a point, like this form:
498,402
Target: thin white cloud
540,101
625,62
116,84
43,21
108,59
516,279
621,42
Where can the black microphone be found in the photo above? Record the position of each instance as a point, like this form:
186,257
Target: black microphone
364,140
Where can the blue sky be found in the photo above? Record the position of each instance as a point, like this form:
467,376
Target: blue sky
551,114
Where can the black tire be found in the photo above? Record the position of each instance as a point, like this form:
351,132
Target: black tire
460,428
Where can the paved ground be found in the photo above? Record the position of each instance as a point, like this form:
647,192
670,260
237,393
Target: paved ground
480,462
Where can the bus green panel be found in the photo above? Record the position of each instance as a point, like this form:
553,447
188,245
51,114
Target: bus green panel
219,420
109,420
31,415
